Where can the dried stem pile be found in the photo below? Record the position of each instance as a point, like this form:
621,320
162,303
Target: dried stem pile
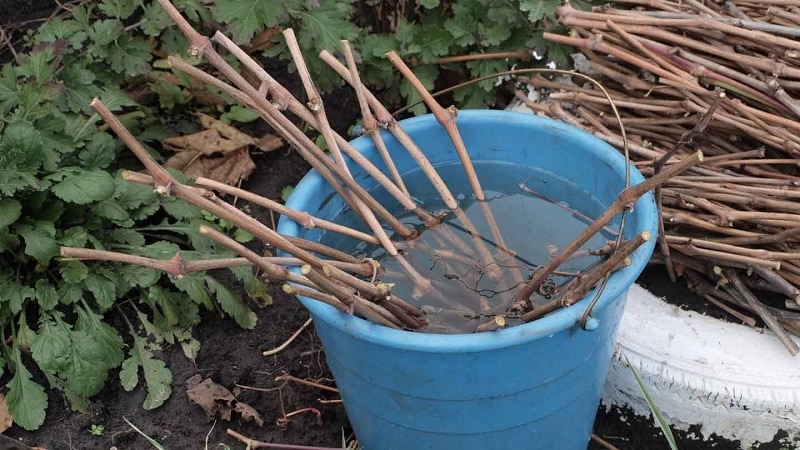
349,284
724,78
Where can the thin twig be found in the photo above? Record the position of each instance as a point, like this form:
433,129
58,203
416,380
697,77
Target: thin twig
762,312
252,443
286,343
626,198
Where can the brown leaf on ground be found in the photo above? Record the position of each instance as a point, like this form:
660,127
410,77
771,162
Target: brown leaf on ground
214,398
220,152
266,143
5,415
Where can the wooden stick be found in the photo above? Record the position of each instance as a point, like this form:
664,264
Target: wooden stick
306,115
627,197
310,152
446,118
390,123
316,105
369,123
580,286
303,218
762,312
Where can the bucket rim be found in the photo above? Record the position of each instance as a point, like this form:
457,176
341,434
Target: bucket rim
558,321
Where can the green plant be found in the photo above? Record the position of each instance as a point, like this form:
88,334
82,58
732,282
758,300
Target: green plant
422,32
97,429
660,420
58,187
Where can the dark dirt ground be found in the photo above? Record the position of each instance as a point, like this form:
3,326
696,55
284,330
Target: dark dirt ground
232,357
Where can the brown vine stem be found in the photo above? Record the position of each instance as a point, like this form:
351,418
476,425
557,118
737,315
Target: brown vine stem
678,72
658,165
355,303
282,124
369,124
577,288
286,378
285,99
310,152
665,36
585,282
597,44
162,180
316,105
304,244
175,267
747,320
783,236
690,249
252,443
386,120
178,267
273,271
603,443
447,119
523,54
778,282
626,198
751,252
306,220
762,311
367,268
568,12
207,201
315,294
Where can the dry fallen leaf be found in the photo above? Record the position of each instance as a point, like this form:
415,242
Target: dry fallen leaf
5,416
214,398
266,143
220,152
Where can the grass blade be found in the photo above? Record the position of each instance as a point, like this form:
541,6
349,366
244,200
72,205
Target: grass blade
152,441
653,408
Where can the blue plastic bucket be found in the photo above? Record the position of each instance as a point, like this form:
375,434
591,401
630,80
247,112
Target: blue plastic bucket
535,386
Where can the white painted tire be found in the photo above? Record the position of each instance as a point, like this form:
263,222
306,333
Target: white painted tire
732,380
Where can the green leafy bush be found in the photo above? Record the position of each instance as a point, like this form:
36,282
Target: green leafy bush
426,32
58,187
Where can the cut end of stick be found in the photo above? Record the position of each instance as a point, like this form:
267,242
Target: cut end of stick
305,269
699,156
288,288
204,230
495,324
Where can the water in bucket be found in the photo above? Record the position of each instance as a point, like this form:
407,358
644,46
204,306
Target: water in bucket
531,224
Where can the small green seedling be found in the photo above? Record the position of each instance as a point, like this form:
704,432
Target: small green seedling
97,429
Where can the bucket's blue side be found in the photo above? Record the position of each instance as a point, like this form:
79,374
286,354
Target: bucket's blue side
526,387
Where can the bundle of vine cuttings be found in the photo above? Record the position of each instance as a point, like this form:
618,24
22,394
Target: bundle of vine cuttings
363,286
724,78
